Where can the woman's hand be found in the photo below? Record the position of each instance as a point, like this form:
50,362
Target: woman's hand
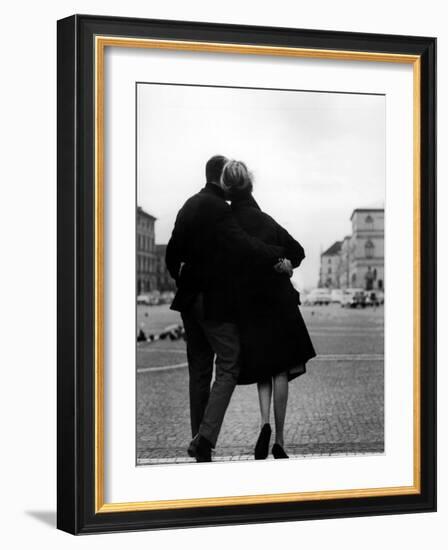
284,266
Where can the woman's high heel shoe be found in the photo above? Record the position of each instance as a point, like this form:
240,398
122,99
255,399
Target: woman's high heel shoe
262,446
278,451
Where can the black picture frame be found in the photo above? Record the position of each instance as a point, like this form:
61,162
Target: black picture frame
76,286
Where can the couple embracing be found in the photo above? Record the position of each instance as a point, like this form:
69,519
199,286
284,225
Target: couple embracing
232,264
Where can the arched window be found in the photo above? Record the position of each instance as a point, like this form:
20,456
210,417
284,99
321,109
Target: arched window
353,278
369,249
369,220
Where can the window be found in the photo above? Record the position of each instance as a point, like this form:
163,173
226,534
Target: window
369,220
369,249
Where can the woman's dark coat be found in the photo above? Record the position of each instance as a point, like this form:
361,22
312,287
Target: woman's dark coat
274,337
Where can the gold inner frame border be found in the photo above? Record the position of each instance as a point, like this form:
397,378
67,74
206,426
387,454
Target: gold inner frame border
101,42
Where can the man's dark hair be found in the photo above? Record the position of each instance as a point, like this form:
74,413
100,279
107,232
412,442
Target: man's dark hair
213,168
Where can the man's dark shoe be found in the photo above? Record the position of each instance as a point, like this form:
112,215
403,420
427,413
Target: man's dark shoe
200,448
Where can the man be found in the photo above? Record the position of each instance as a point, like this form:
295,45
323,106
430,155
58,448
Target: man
202,256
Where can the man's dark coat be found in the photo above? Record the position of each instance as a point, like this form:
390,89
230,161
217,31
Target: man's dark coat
204,252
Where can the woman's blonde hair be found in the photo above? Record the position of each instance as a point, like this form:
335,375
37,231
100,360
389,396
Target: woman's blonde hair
236,178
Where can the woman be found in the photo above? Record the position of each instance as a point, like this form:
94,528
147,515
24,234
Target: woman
275,344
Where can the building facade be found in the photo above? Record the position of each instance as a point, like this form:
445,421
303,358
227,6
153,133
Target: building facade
146,252
329,266
344,263
164,280
367,249
360,261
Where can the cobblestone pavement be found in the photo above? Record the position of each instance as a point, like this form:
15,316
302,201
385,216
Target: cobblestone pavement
337,407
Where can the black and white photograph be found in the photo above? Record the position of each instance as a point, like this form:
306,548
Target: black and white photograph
246,257
260,275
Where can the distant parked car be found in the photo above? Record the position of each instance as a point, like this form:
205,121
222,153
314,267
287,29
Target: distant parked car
318,296
150,299
166,297
353,297
336,295
374,298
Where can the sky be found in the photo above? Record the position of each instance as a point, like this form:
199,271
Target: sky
315,156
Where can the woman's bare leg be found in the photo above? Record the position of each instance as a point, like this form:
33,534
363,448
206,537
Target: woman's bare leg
280,403
264,397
